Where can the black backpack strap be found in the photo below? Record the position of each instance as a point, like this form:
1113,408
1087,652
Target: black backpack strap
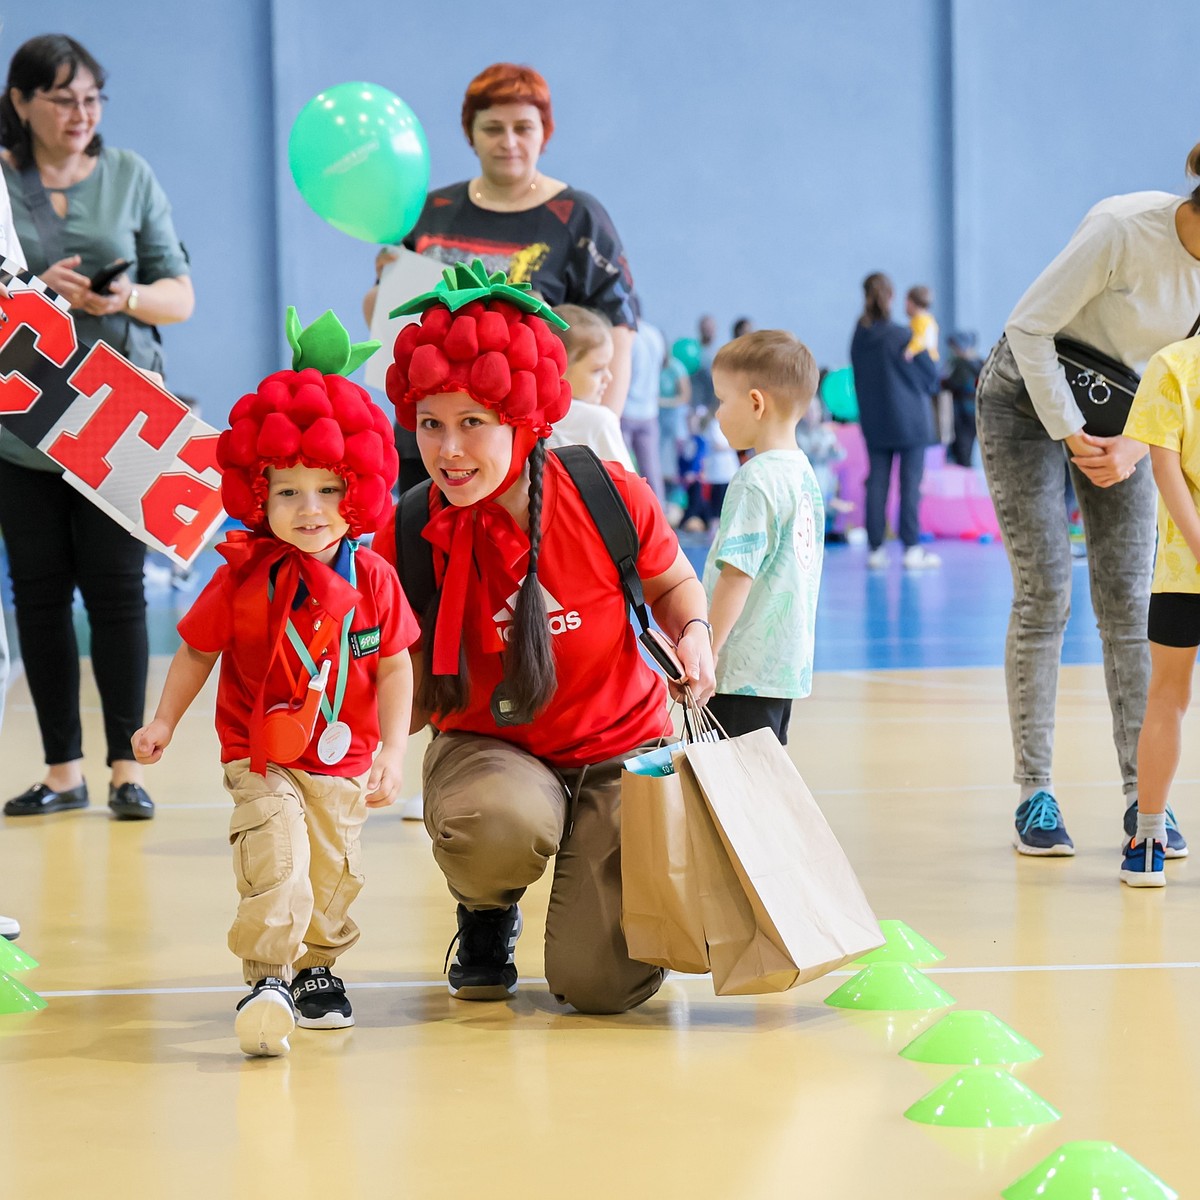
611,514
414,555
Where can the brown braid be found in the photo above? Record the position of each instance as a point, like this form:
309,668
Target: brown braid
529,675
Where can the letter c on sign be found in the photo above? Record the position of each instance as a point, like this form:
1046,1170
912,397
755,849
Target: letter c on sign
54,340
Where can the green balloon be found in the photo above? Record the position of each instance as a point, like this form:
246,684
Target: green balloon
359,157
838,395
687,351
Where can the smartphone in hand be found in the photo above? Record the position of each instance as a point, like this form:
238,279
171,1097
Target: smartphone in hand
101,283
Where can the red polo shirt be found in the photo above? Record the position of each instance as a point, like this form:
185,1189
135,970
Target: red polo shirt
608,699
228,620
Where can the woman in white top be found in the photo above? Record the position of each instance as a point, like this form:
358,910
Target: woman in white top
1127,284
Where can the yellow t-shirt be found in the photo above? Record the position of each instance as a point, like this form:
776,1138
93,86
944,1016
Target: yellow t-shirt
924,334
1166,412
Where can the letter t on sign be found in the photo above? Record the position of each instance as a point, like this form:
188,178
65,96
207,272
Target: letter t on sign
130,395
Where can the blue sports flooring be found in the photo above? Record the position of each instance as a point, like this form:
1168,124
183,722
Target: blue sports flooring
955,616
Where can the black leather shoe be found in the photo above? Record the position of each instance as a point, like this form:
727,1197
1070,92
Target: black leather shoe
129,802
40,799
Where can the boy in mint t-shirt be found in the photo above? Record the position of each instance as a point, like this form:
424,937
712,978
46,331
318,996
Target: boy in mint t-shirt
764,568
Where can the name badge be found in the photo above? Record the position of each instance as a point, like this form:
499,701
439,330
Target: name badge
364,642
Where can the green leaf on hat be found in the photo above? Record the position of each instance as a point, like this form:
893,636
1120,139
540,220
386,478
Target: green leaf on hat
325,345
462,284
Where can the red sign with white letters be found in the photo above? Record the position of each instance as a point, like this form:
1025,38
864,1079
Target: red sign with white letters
127,444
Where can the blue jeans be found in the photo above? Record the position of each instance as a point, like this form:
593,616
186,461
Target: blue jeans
1027,480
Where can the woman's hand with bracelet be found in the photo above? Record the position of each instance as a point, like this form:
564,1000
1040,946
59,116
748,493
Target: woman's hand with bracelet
694,648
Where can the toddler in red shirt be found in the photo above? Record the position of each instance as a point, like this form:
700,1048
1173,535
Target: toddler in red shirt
313,632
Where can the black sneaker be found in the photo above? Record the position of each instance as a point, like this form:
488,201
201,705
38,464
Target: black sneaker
1177,846
265,1018
483,968
320,999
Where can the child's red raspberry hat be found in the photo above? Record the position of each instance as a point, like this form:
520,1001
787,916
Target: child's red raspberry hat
313,416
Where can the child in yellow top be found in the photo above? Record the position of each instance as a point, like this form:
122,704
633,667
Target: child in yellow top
917,303
1164,416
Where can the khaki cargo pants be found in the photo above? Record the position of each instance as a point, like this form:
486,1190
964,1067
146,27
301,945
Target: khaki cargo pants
296,858
497,815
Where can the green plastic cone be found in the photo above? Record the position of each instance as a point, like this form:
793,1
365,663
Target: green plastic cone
13,958
982,1098
904,944
16,998
970,1037
1092,1171
893,986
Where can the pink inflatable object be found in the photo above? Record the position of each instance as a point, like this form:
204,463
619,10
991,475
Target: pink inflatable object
954,500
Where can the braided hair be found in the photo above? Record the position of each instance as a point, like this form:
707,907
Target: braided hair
529,675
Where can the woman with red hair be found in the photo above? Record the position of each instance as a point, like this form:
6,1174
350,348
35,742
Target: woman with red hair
536,229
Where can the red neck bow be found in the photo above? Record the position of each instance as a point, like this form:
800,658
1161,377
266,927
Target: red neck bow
251,557
455,531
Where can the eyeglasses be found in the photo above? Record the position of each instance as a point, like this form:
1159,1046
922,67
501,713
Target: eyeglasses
66,105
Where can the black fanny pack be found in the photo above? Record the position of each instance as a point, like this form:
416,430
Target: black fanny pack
1103,388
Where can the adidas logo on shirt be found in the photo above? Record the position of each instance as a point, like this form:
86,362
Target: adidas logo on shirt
560,620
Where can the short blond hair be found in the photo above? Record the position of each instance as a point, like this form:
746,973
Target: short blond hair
588,329
774,361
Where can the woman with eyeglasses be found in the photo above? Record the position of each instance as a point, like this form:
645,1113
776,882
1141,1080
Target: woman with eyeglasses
79,206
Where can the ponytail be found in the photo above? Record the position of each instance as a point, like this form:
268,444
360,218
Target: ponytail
529,676
877,292
1193,169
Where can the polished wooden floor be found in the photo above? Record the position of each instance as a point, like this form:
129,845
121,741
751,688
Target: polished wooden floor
130,1083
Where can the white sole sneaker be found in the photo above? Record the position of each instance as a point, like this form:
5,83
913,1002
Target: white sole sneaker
9,928
1140,879
412,808
328,1021
1059,851
263,1025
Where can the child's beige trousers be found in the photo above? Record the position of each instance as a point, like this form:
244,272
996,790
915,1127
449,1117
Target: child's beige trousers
296,858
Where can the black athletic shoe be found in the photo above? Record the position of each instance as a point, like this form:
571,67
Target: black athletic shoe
265,1018
321,1000
483,968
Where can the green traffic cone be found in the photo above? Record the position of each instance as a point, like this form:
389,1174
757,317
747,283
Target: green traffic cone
903,944
893,986
982,1098
16,998
1094,1170
13,958
970,1037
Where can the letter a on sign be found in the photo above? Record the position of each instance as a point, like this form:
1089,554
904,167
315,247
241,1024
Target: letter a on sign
127,444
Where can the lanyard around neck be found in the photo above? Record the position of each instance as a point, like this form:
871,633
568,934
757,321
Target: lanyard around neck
328,710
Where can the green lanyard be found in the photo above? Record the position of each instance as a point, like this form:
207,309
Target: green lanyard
330,712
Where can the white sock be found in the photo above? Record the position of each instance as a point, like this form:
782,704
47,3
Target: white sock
1151,826
1029,789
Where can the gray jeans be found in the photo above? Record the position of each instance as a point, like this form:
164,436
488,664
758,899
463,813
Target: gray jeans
1026,474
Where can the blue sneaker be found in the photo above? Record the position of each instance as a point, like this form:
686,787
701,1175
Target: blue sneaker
1142,865
1040,828
1177,846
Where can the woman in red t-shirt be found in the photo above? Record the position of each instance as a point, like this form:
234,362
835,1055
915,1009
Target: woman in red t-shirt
530,672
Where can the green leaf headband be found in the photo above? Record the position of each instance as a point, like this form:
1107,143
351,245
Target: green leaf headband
462,284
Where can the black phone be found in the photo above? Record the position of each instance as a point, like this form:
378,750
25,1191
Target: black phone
101,282
664,655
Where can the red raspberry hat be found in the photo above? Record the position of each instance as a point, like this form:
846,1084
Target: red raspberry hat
314,416
484,336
